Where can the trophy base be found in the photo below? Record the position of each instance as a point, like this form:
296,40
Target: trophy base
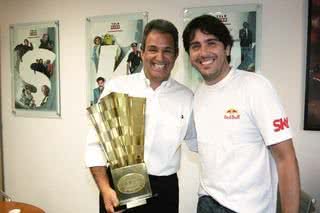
135,204
132,204
132,185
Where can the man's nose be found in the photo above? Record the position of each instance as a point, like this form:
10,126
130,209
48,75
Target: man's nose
160,55
203,50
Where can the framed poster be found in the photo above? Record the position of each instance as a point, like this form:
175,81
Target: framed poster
312,95
35,69
113,49
244,24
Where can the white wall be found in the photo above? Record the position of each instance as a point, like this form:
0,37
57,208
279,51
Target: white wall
43,158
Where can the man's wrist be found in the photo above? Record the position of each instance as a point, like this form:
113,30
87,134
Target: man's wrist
106,189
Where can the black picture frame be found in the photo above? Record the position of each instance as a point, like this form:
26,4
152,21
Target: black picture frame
312,91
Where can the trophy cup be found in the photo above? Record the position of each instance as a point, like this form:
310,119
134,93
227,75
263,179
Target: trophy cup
119,122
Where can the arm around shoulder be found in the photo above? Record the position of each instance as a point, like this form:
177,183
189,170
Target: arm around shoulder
191,135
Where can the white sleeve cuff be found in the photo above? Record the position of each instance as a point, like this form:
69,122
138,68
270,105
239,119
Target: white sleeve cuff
94,155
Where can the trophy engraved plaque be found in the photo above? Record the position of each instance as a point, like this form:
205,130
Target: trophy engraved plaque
119,122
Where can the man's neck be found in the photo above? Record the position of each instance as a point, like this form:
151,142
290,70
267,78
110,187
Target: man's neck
154,86
219,78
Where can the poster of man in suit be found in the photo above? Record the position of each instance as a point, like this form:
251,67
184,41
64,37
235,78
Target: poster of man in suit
245,37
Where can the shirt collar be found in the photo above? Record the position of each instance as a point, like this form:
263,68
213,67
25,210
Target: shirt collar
164,84
222,82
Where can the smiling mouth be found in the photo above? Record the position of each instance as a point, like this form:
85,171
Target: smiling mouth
206,61
158,67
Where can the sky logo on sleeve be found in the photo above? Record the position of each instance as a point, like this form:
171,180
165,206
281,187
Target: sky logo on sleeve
280,124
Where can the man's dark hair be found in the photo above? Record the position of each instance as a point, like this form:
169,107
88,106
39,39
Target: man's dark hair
162,26
245,24
46,90
100,79
209,25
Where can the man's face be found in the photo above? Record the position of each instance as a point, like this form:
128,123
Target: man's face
209,56
44,90
28,92
100,83
134,48
97,41
158,57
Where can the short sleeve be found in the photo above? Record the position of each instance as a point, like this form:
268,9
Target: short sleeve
267,112
93,153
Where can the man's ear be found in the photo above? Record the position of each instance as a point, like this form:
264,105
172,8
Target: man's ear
177,53
142,55
228,50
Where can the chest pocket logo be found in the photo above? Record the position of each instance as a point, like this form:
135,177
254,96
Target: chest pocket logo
231,114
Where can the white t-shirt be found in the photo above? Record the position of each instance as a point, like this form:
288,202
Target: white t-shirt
168,122
236,120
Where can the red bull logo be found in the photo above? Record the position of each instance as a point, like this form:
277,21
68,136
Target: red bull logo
231,114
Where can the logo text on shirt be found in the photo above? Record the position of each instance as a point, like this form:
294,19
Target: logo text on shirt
280,124
231,114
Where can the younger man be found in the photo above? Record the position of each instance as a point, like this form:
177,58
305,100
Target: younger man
244,139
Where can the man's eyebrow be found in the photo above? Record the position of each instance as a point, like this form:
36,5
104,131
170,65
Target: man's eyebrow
169,47
212,39
151,46
194,42
155,46
207,40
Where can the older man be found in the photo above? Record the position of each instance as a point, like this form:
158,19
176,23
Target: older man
168,120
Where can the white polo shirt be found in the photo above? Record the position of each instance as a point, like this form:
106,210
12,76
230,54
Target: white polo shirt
168,122
236,120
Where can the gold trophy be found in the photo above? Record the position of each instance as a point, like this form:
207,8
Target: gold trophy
119,123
